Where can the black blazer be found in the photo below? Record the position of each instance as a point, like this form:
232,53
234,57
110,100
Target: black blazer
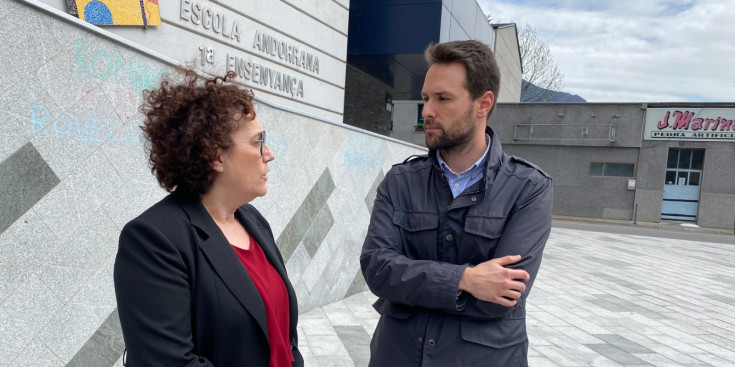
183,296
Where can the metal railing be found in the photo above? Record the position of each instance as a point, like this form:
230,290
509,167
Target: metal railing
556,132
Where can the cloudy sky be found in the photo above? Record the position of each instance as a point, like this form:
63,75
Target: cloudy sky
634,50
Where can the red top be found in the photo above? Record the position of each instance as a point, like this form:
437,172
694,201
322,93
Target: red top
275,298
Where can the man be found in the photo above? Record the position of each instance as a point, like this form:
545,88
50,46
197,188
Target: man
452,256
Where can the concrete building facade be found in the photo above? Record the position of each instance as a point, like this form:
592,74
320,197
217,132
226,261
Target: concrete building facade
385,57
629,161
406,121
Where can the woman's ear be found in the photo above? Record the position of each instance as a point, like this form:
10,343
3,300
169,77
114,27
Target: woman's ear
218,165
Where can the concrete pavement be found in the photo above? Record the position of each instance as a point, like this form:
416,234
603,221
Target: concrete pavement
600,299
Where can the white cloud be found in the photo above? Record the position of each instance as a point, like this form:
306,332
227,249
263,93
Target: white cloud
635,50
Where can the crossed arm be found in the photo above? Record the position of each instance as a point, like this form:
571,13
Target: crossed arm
494,286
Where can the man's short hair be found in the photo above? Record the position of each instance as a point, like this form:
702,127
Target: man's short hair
479,62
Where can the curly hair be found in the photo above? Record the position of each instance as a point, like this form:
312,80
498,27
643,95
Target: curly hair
187,124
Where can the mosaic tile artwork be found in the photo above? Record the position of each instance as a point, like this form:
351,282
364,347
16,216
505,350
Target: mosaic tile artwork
119,12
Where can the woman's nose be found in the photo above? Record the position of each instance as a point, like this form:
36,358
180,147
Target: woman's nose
268,154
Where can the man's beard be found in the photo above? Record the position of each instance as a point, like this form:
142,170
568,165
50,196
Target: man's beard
462,131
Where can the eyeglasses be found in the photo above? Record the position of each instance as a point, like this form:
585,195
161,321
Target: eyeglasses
262,142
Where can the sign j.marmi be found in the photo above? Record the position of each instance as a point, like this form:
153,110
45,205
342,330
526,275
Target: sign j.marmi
690,124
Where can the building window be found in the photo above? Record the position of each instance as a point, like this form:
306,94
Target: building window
685,159
684,166
612,169
420,118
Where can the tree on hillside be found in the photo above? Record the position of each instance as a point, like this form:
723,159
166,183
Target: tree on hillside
539,68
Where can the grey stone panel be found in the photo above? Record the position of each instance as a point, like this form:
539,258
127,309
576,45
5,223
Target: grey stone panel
647,312
7,353
104,347
616,280
630,252
25,312
616,354
318,230
25,178
610,306
550,257
614,240
714,260
66,208
358,284
141,186
357,342
19,255
20,111
81,317
612,263
9,7
339,271
729,300
567,245
23,46
297,264
37,354
303,218
79,259
724,278
370,197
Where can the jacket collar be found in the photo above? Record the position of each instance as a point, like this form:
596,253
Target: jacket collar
224,260
494,154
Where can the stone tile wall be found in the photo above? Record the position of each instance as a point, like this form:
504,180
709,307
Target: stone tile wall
73,172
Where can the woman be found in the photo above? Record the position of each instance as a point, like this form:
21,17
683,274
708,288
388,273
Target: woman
198,277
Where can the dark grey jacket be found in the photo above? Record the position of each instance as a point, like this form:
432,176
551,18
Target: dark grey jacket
418,245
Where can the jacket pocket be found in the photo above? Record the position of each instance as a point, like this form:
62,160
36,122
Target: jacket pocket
488,227
481,237
496,334
415,221
418,233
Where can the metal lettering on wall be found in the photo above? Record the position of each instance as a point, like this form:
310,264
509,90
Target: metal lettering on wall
209,19
216,21
263,75
285,51
690,124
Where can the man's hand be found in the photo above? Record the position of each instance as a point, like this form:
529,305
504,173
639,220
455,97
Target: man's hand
492,282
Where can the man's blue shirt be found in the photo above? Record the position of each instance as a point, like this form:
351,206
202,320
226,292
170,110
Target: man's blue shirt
459,182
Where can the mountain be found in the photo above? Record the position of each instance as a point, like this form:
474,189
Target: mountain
556,97
562,97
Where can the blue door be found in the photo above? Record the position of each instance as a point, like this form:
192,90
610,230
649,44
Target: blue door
683,180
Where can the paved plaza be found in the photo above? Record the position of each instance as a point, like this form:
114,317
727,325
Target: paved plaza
600,299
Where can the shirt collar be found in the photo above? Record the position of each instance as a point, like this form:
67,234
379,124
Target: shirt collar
479,162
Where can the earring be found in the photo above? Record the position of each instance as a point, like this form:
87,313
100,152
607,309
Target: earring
219,169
